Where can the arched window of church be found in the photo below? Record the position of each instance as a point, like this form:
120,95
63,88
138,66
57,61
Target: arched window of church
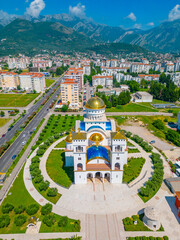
117,166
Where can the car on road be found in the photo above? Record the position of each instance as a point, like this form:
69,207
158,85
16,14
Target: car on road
13,157
4,135
153,141
23,143
24,135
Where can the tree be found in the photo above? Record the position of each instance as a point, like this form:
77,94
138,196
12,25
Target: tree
20,209
32,209
43,186
99,87
52,192
7,208
4,221
49,220
46,209
2,114
158,124
64,108
63,221
20,220
134,86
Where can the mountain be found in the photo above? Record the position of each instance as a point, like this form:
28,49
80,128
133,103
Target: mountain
27,37
165,37
116,48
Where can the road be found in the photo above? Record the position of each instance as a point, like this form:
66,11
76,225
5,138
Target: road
6,160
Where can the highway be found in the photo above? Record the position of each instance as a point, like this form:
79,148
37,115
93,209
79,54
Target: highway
6,160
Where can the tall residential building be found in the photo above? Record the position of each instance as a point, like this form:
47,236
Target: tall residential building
9,80
32,81
19,63
38,63
76,74
70,93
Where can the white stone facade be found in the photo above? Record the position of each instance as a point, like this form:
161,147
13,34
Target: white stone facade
95,149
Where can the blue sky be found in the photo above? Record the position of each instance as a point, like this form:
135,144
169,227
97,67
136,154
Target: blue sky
130,13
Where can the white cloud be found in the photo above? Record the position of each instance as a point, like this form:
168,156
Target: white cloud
174,13
35,8
138,26
6,18
132,17
78,10
151,24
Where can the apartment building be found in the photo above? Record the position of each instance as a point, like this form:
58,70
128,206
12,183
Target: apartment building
105,81
87,69
19,63
140,67
76,74
149,77
38,63
169,67
32,81
9,80
70,93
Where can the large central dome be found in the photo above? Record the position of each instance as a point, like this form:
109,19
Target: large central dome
95,103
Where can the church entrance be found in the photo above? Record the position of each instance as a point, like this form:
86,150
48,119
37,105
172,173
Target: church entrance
107,177
99,176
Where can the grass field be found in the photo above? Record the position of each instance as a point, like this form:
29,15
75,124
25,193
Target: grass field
18,195
63,176
132,169
62,144
57,124
133,107
49,82
130,226
16,100
3,121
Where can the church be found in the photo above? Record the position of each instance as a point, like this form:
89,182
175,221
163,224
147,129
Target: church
95,149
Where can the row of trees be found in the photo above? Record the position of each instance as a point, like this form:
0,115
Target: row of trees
153,185
61,70
113,100
142,143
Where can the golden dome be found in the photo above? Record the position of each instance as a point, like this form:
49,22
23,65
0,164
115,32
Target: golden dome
69,138
96,137
95,103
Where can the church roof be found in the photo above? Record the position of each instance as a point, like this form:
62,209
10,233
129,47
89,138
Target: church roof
79,135
117,135
95,103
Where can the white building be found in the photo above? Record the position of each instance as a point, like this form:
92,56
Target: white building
95,149
142,97
87,69
19,63
103,80
140,67
42,63
32,81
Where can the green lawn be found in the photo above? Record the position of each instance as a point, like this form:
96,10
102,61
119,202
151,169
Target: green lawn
16,100
62,144
49,82
3,121
130,226
57,124
132,169
18,195
132,107
133,150
56,170
72,226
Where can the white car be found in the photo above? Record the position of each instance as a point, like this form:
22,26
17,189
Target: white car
23,143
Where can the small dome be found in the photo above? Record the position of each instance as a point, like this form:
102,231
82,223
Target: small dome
69,138
96,137
151,213
95,103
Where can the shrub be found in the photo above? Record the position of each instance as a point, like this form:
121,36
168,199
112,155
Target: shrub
46,209
51,139
166,238
7,208
38,179
32,209
128,134
49,220
40,152
43,186
35,159
20,209
52,192
43,146
63,221
4,221
158,124
20,220
36,172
